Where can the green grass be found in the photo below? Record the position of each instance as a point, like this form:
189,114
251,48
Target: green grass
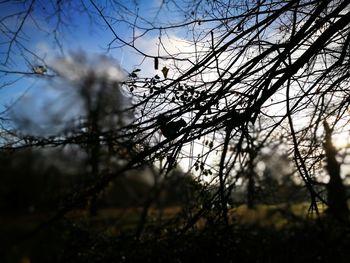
274,215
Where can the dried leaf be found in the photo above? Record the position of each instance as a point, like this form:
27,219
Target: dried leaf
165,71
155,63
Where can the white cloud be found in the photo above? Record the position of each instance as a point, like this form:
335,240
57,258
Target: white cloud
171,46
43,49
79,66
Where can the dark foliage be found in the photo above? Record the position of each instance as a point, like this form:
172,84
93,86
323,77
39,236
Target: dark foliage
303,242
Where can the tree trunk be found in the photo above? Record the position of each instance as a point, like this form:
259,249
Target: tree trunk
337,201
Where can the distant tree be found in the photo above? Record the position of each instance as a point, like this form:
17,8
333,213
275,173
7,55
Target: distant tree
337,199
35,180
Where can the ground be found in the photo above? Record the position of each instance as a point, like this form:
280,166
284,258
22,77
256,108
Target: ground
264,234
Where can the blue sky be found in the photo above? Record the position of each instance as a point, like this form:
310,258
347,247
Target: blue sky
81,34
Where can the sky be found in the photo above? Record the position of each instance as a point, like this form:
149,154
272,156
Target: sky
82,35
36,99
91,37
78,33
39,98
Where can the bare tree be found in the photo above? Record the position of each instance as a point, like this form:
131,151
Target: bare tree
254,73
